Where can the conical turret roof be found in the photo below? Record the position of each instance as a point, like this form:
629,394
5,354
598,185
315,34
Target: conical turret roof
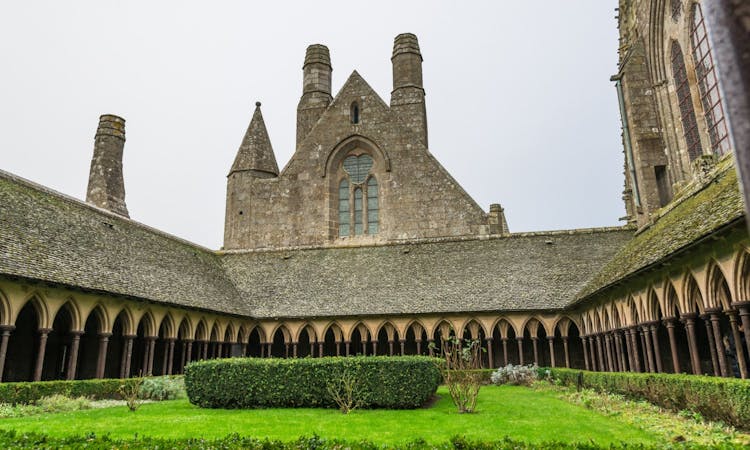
255,152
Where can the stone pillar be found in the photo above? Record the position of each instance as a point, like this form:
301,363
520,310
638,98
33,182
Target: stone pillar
519,340
41,350
419,346
219,350
600,352
669,323
188,352
737,343
490,356
689,320
101,360
294,349
646,333
592,352
170,356
505,351
551,340
644,349
402,343
720,353
205,349
584,340
565,349
268,349
654,327
608,347
390,348
374,348
127,355
5,330
534,341
744,309
320,349
150,364
634,347
430,344
711,344
75,341
346,347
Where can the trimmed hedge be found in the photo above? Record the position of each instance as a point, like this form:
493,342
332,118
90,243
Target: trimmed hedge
395,382
28,392
724,399
14,440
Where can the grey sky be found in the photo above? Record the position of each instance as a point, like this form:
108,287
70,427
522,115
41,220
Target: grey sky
520,107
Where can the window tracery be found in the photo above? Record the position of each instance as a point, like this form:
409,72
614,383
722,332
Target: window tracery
685,99
358,197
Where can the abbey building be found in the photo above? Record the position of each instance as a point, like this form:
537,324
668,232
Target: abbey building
365,244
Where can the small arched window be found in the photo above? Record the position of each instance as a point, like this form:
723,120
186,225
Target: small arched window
358,198
355,112
708,84
685,99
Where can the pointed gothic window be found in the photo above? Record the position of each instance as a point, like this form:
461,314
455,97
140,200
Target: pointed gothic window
355,112
708,84
685,99
358,198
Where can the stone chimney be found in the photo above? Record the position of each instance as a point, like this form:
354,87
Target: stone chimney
316,89
407,97
498,224
106,185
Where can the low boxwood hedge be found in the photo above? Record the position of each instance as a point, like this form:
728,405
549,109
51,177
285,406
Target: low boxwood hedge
396,382
28,392
724,399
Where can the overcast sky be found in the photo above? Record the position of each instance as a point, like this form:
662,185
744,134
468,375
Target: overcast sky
520,108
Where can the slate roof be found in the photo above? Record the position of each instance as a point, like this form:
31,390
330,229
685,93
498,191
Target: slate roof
255,152
47,236
525,271
50,237
702,210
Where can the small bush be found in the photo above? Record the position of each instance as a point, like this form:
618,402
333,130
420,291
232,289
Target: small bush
30,392
724,399
383,382
516,375
162,388
46,405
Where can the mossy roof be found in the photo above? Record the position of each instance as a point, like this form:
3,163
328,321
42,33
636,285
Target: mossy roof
705,209
49,237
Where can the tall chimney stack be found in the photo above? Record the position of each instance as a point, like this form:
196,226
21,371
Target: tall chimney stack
316,89
407,97
106,185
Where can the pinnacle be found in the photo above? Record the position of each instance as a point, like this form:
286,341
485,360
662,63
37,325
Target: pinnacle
256,152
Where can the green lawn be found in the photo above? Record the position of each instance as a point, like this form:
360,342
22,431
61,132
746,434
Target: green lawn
518,412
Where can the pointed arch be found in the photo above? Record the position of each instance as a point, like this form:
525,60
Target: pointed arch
742,276
693,299
360,326
719,295
40,309
168,324
309,329
335,328
468,323
149,324
75,313
4,309
201,330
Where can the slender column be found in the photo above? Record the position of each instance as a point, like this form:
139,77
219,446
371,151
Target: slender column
374,348
245,349
144,362
711,344
490,356
390,348
165,356
744,308
519,340
183,361
205,349
738,350
584,339
646,336
644,349
338,348
101,361
286,350
294,349
170,356
600,352
402,343
628,349
364,347
505,351
608,347
188,352
268,349
551,340
592,351
75,341
622,338
617,342
219,350
429,346
669,323
534,341
5,330
565,349
689,320
43,334
150,365
346,347
720,353
654,327
419,346
320,349
128,356
312,349
634,346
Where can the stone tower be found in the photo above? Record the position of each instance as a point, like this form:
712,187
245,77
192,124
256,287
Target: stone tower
407,97
106,185
316,89
255,162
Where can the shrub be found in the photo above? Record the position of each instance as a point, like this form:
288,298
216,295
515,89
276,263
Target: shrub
384,382
163,388
516,375
29,392
724,399
46,405
461,371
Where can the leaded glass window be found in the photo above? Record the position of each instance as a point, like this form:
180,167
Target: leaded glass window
708,84
344,208
676,7
359,211
372,206
685,99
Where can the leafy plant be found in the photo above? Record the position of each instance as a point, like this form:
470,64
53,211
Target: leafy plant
130,393
460,370
162,388
515,375
344,390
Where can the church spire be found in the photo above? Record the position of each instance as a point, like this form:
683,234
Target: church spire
255,153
